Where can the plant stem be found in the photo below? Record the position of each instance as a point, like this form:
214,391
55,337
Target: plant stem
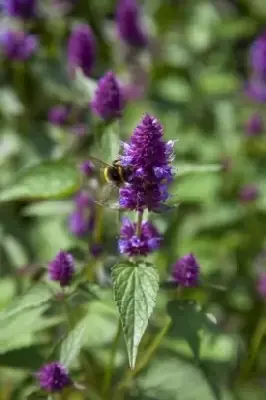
139,223
146,356
68,314
256,339
110,366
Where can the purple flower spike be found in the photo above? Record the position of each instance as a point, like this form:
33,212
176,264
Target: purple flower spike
186,271
130,244
261,285
258,56
53,377
129,25
17,45
81,49
25,9
59,114
96,249
81,221
255,125
256,89
61,269
148,157
108,101
248,193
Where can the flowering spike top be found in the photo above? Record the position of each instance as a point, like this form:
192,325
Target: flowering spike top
258,56
81,220
108,102
59,114
61,269
25,9
148,157
17,45
81,49
186,271
129,24
132,244
53,377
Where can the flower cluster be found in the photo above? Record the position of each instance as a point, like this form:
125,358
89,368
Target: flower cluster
148,158
24,9
129,25
81,49
186,271
61,268
17,45
53,377
255,125
257,83
108,101
133,244
248,193
81,221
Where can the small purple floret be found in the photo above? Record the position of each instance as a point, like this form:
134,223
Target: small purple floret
255,125
261,285
25,9
61,269
81,49
81,221
129,24
87,168
59,114
186,271
131,244
108,101
17,45
53,377
248,193
258,56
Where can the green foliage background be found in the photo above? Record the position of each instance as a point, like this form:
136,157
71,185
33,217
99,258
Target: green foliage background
215,346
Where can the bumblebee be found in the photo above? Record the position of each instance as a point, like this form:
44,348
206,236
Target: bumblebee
115,176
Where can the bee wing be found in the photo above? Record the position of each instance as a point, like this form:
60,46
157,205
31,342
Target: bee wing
99,163
107,193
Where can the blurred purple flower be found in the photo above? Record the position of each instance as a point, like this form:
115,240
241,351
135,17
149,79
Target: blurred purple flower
81,49
87,168
25,9
53,377
248,193
129,25
17,45
79,129
148,157
261,285
133,245
96,249
108,100
186,271
81,221
256,89
61,268
59,114
258,57
255,125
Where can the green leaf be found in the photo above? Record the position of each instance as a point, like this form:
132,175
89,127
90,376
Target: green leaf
72,344
36,297
188,320
84,86
51,179
135,289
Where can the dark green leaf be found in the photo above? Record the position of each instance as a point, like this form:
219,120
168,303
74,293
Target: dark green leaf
135,289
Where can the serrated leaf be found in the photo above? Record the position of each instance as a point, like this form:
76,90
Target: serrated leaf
187,322
72,344
135,289
51,179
